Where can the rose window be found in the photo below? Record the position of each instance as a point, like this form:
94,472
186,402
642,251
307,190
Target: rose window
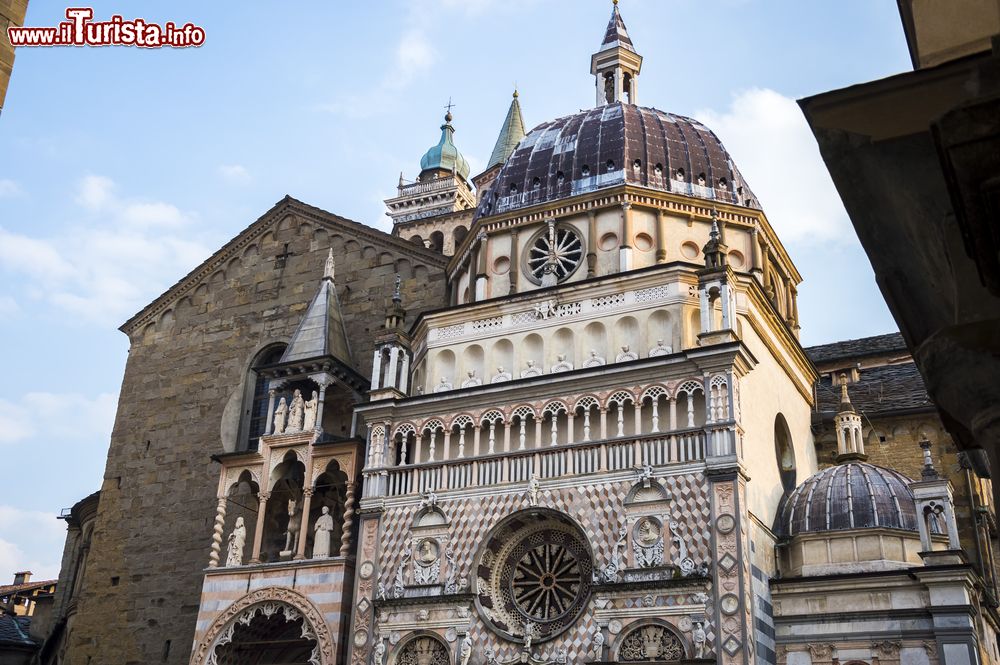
557,251
535,575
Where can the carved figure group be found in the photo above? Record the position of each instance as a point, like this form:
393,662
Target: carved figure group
296,416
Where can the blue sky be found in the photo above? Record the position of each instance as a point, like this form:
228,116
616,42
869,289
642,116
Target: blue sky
121,168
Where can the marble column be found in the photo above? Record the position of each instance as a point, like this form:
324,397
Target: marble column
217,533
258,532
300,552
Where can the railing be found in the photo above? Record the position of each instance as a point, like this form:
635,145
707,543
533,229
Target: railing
622,454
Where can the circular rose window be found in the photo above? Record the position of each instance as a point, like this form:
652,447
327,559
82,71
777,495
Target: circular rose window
558,250
535,575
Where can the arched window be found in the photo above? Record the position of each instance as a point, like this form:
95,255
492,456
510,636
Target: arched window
254,421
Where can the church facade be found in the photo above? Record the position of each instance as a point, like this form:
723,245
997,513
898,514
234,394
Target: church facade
560,415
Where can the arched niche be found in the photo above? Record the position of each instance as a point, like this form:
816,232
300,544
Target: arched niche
784,452
442,367
422,648
532,348
660,326
562,344
626,333
595,341
284,505
329,491
242,499
501,355
473,360
650,641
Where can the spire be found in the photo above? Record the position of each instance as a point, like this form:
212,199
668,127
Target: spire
928,472
616,33
321,331
715,250
616,64
511,134
850,432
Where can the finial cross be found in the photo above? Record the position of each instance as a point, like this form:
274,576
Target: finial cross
449,105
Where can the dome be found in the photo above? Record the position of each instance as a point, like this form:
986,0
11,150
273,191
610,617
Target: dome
856,495
445,155
612,145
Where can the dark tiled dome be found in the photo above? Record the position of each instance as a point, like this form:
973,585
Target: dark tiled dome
611,145
850,496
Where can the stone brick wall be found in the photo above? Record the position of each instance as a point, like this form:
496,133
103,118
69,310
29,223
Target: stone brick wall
187,363
11,14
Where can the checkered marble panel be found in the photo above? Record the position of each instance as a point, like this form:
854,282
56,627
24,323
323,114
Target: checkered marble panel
597,507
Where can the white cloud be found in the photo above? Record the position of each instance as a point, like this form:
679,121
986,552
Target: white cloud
9,188
95,192
43,414
768,138
235,174
90,267
414,55
32,540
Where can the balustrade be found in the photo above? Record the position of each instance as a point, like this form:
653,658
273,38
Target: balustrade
518,466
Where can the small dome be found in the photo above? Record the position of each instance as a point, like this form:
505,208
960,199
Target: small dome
850,496
613,145
445,156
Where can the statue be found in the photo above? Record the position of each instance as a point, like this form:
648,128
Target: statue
472,381
379,651
594,360
450,586
646,475
529,635
296,410
237,540
530,370
330,268
660,349
501,376
598,645
428,499
491,656
309,419
280,416
323,529
398,586
381,594
626,355
294,522
466,649
562,365
698,639
611,570
442,386
534,487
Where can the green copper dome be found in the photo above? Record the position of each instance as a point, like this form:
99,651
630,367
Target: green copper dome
445,155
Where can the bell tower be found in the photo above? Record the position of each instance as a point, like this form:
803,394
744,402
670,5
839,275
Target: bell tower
616,64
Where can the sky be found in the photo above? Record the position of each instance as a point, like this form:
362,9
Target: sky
121,169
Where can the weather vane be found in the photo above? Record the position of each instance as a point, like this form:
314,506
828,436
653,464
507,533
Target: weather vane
449,105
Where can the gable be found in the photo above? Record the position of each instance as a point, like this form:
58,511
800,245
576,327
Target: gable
321,224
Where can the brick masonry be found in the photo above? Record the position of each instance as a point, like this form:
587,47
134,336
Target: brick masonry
189,356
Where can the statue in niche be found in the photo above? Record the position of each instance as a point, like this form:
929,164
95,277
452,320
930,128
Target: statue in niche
594,360
296,411
501,376
379,651
237,541
323,530
648,543
562,365
530,370
626,355
466,649
280,416
294,523
699,639
472,381
309,419
442,386
660,349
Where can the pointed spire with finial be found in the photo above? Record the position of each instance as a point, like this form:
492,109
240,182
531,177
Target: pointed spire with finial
850,433
716,250
616,64
511,134
616,34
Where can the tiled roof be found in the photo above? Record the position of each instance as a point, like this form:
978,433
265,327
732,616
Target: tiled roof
856,348
14,629
8,589
613,145
510,134
879,390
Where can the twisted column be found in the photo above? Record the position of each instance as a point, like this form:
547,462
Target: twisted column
220,523
345,535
